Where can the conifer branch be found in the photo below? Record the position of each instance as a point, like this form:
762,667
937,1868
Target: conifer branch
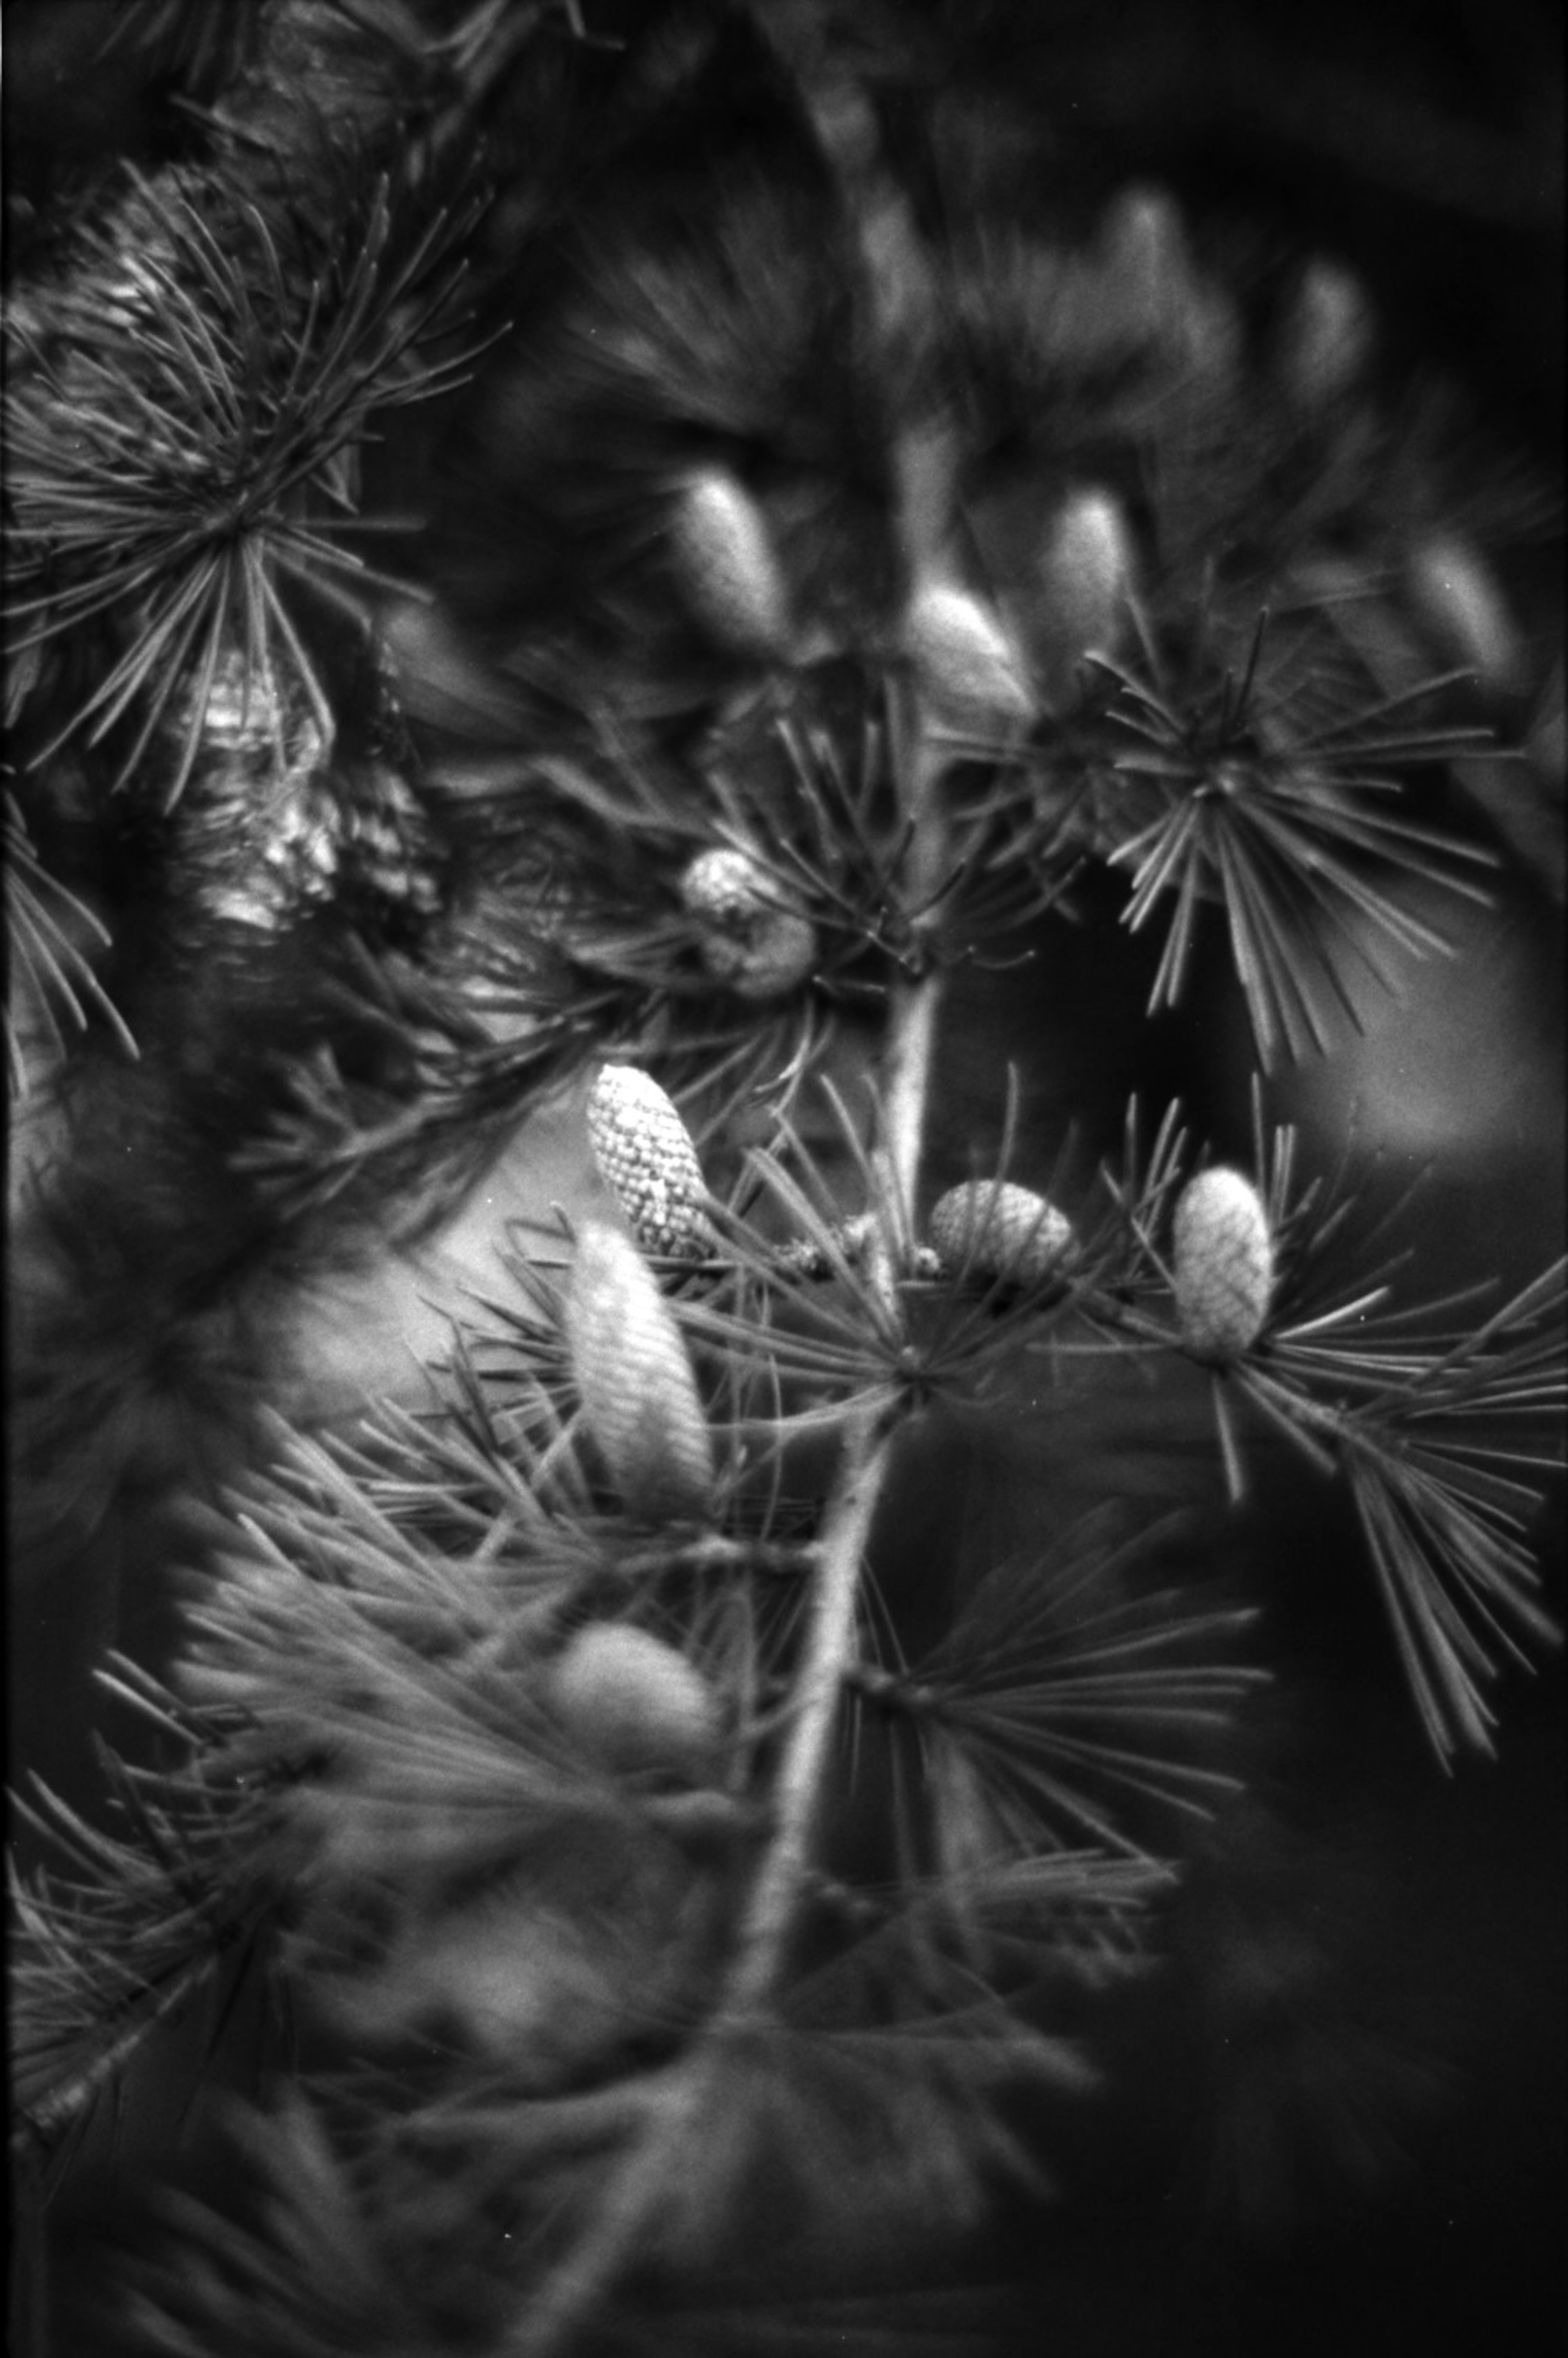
829,1649
704,1747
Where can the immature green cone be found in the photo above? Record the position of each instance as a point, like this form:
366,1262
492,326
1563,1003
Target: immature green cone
1142,252
1326,340
996,1230
1085,574
1463,605
1149,288
750,944
643,1151
1224,1264
727,568
967,663
639,1395
638,1703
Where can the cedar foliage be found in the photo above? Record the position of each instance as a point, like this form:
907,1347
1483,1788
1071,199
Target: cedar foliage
750,718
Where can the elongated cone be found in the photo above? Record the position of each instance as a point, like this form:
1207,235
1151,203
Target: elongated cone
1466,610
638,1394
643,1151
1326,338
1151,289
1142,252
726,565
1084,575
1224,1264
967,663
997,1229
758,949
636,1701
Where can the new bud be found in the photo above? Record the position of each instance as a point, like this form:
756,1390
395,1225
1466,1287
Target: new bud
996,1230
1224,1265
638,1394
643,1151
749,942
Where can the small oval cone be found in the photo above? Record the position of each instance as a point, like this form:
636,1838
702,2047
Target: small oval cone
1224,1265
1325,339
1082,583
750,941
643,1152
728,567
997,1229
967,663
638,1394
635,1701
1455,590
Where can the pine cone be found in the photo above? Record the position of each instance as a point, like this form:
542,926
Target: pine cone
1463,606
992,1229
726,566
758,949
643,1152
965,663
637,1703
1224,1264
1085,573
1326,340
638,1394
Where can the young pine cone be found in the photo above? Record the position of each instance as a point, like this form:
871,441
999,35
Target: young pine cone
636,1702
964,660
1084,577
994,1228
1224,1265
726,563
639,1395
643,1151
749,943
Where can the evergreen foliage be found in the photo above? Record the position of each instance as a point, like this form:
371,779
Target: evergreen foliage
593,594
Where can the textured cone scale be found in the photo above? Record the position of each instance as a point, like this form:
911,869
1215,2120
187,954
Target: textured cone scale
728,567
750,944
1085,574
966,664
999,1230
245,717
1223,1260
637,1703
643,1152
638,1394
